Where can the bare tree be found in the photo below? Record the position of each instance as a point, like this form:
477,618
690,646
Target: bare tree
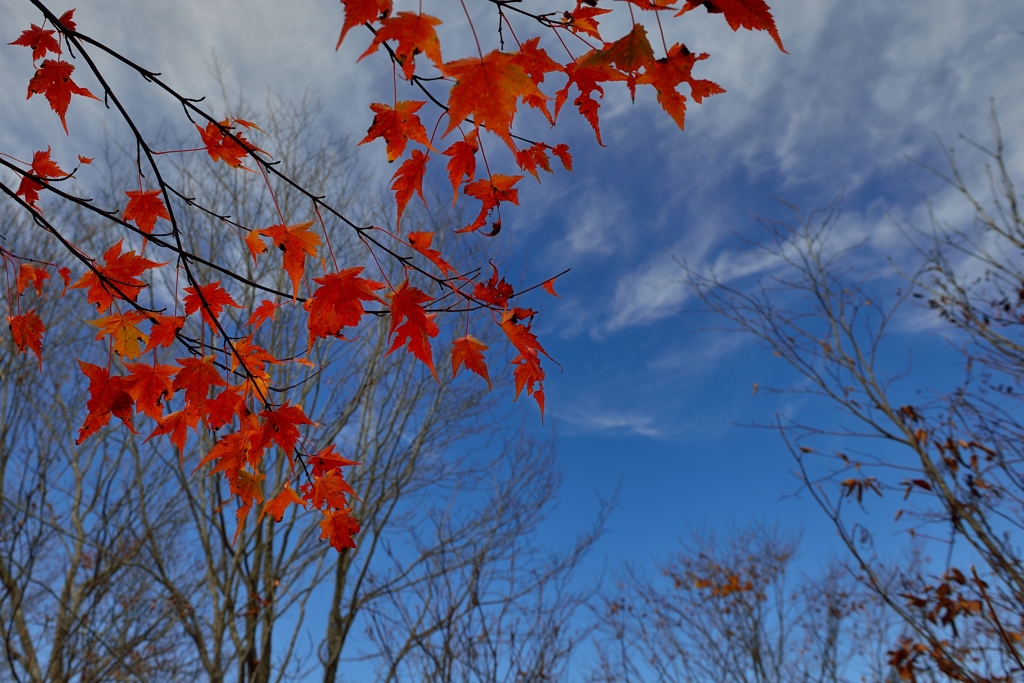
956,456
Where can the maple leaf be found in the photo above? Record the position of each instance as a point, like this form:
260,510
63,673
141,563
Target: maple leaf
409,179
536,63
196,376
248,487
222,408
108,396
665,74
281,426
84,160
562,152
164,330
144,207
177,425
469,351
494,292
29,274
53,80
421,241
362,12
532,157
397,126
415,34
407,304
528,373
225,148
339,526
66,20
277,505
326,460
586,74
549,287
330,489
486,89
754,15
338,302
124,331
582,19
148,385
212,299
255,245
498,188
65,275
27,332
42,166
297,242
463,162
116,278
41,41
254,359
629,54
262,313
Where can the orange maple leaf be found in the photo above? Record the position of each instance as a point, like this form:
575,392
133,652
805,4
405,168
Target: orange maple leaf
297,242
196,376
629,54
164,330
116,278
588,71
256,245
281,426
534,157
212,299
144,207
330,488
42,166
487,89
463,162
469,351
397,126
29,274
494,292
407,304
277,505
177,425
225,148
338,302
40,40
499,188
124,331
362,12
148,385
667,73
339,526
528,373
582,19
409,179
421,241
27,331
415,34
53,80
108,396
262,313
754,15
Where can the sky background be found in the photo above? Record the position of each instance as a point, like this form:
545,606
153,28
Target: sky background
651,403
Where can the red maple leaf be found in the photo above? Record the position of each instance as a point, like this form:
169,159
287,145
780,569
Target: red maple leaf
330,488
339,526
754,15
536,63
281,426
397,126
29,274
415,34
487,89
297,242
262,313
148,385
67,21
463,161
41,41
469,351
196,376
27,331
108,395
177,425
498,188
222,408
586,74
407,304
212,299
421,241
42,166
326,460
581,19
494,292
629,54
362,12
528,373
117,278
409,179
231,150
53,80
144,207
338,302
255,245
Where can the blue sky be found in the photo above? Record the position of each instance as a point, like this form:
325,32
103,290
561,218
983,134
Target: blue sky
648,402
